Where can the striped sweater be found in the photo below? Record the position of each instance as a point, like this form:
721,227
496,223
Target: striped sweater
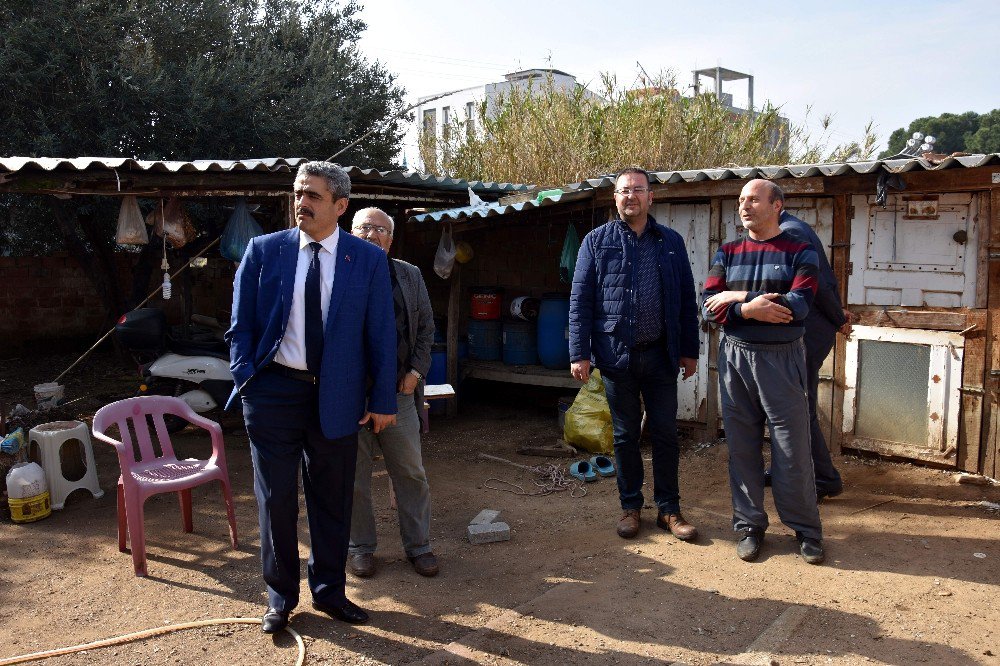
783,265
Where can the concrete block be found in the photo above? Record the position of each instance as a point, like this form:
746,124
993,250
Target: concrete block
480,534
485,517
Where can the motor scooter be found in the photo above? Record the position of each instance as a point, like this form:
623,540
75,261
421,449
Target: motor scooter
194,368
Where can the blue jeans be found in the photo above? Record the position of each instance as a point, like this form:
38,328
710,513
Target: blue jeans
650,375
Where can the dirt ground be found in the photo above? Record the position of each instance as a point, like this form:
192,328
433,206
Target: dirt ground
912,572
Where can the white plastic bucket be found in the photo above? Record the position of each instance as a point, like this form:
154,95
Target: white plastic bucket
25,480
48,395
27,493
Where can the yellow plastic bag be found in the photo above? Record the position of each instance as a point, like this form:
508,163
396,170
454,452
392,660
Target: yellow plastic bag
588,420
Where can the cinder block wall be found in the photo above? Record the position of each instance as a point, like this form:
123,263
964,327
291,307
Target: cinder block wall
50,300
45,298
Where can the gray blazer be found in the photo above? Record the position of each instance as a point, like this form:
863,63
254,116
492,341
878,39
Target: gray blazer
421,319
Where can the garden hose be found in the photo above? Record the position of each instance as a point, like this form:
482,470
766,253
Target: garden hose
138,635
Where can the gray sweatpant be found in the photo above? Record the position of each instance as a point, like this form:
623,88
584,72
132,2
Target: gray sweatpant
767,383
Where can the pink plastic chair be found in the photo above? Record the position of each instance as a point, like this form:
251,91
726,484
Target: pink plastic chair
152,474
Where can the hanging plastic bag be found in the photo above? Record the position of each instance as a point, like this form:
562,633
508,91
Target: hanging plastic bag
571,248
240,228
172,223
444,258
588,419
131,230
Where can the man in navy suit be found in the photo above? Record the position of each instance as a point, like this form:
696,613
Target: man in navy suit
312,323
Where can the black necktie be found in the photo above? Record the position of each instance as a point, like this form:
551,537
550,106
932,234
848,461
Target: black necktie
314,314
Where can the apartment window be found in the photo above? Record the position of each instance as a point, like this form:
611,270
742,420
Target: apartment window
446,122
430,121
470,118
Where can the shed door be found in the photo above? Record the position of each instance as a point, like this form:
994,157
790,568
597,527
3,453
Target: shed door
691,221
818,214
917,251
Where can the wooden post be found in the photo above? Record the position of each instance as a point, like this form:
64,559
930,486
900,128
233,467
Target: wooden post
290,210
991,409
454,308
715,236
840,262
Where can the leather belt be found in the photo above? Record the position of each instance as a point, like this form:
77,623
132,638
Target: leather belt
292,373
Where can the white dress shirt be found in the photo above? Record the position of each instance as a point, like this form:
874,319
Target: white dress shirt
292,350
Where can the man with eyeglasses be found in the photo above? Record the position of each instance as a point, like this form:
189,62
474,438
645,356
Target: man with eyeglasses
400,444
312,323
633,315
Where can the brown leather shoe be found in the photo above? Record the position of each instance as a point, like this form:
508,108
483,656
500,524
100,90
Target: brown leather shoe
361,565
425,564
676,525
628,524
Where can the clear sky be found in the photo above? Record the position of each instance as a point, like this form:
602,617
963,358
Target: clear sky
890,62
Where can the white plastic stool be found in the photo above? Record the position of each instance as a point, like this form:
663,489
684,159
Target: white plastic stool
49,439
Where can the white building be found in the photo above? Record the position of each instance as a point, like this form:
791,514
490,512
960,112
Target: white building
440,111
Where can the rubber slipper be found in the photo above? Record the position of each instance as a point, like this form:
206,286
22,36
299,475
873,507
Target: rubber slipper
604,465
583,470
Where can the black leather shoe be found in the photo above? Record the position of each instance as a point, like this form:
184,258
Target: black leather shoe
274,621
811,549
749,546
349,612
767,477
832,492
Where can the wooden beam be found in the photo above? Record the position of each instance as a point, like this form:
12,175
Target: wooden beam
840,258
715,235
534,375
945,320
989,454
948,180
705,189
970,430
454,310
981,220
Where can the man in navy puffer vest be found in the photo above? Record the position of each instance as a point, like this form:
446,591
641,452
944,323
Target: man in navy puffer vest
634,316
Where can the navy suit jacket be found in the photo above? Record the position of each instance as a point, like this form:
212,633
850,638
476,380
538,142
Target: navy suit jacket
359,337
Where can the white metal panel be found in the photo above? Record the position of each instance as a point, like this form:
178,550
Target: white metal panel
943,383
911,262
691,221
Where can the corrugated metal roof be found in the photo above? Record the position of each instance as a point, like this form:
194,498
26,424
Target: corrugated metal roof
494,209
272,164
803,170
587,187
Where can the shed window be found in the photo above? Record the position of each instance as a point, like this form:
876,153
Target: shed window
892,391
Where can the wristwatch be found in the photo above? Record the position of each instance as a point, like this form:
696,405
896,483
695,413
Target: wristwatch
416,373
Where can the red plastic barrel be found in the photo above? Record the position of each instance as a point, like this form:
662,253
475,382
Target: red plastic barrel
486,303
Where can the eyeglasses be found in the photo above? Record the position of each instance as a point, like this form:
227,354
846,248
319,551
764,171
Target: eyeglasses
626,191
368,228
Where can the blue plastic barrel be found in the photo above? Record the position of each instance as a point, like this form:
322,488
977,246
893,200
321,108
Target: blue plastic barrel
484,339
553,331
520,343
438,374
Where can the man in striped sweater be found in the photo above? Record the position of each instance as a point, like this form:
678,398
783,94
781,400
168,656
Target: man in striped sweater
760,289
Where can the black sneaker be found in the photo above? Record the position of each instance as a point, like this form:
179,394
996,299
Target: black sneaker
748,547
810,549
